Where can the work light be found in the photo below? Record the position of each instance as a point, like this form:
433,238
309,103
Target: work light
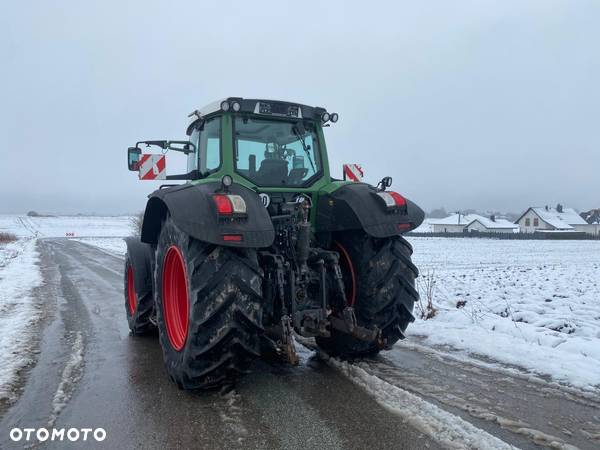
224,105
226,181
325,117
334,117
235,106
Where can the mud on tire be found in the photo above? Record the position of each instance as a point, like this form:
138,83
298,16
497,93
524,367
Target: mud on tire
139,306
224,288
380,280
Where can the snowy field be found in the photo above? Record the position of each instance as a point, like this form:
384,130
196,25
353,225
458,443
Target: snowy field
115,246
66,226
531,304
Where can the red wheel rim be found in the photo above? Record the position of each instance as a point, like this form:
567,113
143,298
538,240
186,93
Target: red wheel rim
131,295
347,268
175,297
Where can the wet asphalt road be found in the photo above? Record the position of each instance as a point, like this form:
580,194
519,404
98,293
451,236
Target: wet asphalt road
122,386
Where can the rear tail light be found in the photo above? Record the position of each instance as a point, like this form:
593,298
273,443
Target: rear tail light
228,205
233,237
392,199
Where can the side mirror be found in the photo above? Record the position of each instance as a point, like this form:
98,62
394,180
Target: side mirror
133,158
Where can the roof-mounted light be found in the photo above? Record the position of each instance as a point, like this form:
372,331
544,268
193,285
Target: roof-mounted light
236,106
325,117
334,117
225,106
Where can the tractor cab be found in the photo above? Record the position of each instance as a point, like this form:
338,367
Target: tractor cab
260,143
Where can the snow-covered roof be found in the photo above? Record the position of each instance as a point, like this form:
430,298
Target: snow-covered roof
491,224
559,220
454,219
467,219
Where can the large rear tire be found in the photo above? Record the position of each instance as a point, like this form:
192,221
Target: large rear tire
139,305
380,284
209,309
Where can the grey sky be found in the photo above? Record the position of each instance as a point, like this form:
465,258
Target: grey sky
467,104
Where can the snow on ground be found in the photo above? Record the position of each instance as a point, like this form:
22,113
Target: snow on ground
532,304
19,274
115,246
448,430
63,226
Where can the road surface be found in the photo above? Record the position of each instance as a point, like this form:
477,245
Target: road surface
90,373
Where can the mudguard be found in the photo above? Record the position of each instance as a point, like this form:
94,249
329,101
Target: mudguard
192,208
356,206
141,257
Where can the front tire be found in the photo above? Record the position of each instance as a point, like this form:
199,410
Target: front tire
380,284
209,309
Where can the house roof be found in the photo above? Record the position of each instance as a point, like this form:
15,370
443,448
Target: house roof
468,219
498,224
454,219
558,220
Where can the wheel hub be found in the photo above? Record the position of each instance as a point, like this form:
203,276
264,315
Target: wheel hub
175,297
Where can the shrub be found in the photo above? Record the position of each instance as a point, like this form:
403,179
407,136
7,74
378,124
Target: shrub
425,306
136,224
7,237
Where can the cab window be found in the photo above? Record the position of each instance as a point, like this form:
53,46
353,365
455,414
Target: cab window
276,153
207,138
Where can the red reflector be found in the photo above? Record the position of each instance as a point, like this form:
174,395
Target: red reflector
233,237
404,226
400,201
224,205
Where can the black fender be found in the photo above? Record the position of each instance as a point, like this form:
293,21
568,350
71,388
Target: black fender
356,206
141,257
192,208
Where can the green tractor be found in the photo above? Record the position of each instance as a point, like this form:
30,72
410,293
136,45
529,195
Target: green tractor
261,244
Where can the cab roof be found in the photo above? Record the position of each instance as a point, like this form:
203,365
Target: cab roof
261,107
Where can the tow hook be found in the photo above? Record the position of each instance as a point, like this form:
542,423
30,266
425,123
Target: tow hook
287,343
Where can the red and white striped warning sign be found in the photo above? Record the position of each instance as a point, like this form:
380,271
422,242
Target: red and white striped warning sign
353,172
152,167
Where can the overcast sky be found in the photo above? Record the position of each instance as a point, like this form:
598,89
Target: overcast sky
466,104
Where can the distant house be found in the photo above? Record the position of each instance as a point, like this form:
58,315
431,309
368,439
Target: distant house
460,223
492,225
547,218
454,223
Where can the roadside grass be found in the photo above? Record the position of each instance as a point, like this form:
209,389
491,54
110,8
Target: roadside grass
5,238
